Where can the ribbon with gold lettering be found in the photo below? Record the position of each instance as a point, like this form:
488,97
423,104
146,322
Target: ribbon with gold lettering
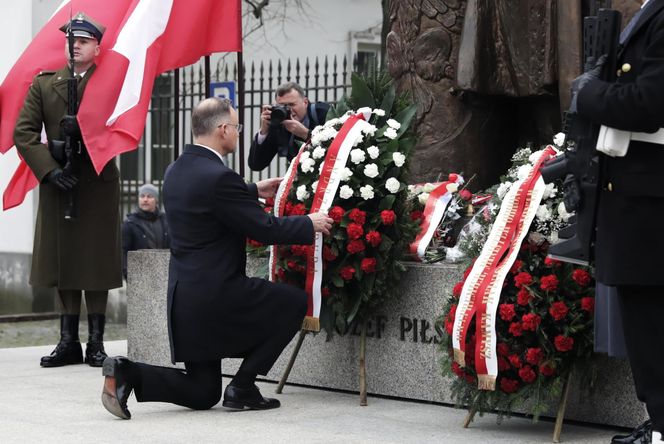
480,295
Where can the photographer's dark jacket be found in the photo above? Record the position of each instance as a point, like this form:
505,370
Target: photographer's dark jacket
630,247
143,230
69,254
281,141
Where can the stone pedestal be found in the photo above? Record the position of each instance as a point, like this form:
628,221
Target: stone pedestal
403,352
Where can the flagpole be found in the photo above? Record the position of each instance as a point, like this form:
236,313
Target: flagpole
176,108
240,105
208,79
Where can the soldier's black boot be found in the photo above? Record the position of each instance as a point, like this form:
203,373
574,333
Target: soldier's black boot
68,351
94,350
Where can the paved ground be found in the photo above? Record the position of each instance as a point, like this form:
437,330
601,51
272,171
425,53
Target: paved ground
24,334
62,405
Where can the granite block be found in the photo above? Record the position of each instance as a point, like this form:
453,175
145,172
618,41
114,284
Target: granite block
403,351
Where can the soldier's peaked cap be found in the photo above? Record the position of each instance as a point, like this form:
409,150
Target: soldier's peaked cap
84,26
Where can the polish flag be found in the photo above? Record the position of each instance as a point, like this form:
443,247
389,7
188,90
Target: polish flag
143,39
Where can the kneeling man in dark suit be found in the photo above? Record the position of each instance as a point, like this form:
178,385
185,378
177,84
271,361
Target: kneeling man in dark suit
214,310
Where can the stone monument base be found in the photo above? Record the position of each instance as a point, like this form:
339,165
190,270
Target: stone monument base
403,352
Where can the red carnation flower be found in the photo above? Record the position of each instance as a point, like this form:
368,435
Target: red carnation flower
516,329
549,282
563,343
588,304
288,209
509,385
254,243
456,368
268,210
527,374
452,313
547,369
549,262
355,231
374,238
328,255
515,361
357,216
336,213
355,246
298,210
503,349
291,264
506,312
534,356
269,201
299,250
465,194
416,215
456,291
281,274
581,277
347,273
516,266
558,310
523,278
449,327
368,265
468,270
530,321
503,365
388,217
523,297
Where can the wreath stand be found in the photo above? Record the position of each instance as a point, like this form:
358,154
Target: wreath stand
362,362
560,415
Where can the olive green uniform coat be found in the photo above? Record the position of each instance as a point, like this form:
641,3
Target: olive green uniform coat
79,254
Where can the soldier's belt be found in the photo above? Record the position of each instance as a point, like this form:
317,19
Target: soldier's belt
614,142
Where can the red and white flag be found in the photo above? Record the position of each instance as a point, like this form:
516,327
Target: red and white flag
143,39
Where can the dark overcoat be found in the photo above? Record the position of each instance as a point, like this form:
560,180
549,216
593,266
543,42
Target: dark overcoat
214,309
630,247
83,253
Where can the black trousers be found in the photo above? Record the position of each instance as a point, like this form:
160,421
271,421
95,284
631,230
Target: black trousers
199,386
642,310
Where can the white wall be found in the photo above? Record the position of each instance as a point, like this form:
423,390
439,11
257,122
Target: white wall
16,225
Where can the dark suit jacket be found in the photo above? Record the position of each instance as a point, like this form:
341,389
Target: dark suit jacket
261,155
629,243
214,309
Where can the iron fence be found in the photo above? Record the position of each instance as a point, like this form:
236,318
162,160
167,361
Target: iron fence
325,79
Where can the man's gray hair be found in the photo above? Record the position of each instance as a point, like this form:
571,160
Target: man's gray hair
208,114
285,88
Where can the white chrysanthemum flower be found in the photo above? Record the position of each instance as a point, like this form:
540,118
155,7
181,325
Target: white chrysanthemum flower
318,153
550,191
552,238
559,139
364,109
393,124
379,112
314,186
543,213
534,157
305,155
345,192
369,129
562,212
391,133
358,139
307,165
367,192
423,198
523,171
411,189
399,159
302,193
373,151
371,170
357,156
428,187
503,188
320,168
392,185
345,174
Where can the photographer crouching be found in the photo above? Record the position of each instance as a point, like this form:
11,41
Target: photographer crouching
290,120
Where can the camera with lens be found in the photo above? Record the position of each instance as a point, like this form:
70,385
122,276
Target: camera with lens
278,114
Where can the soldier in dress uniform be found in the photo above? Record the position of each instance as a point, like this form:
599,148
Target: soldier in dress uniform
80,254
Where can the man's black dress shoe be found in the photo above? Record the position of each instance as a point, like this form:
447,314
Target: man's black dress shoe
240,398
117,386
640,435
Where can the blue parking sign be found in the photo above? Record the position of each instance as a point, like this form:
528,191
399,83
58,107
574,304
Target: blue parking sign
223,90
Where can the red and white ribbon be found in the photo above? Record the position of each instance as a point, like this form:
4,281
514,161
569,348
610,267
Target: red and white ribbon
434,213
480,295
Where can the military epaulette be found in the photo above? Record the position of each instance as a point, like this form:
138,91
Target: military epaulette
45,73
